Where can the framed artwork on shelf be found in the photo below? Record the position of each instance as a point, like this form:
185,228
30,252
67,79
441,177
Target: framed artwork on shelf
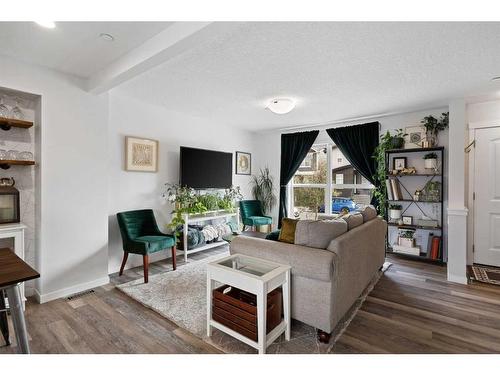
141,154
407,220
243,163
399,163
415,136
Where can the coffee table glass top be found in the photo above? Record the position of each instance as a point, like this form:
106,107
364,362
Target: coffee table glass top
248,265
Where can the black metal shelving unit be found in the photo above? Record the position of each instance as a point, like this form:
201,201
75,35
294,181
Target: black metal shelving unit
419,204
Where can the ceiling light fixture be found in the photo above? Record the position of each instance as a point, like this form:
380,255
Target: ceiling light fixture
107,37
496,78
281,106
46,24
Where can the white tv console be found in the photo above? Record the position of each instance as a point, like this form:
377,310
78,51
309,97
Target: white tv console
200,218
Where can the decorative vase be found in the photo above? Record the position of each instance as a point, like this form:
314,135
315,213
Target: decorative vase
431,138
430,163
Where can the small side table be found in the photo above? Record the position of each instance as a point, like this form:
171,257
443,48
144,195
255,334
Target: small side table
256,276
14,271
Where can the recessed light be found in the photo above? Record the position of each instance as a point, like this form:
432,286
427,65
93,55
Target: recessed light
496,78
281,106
107,37
46,24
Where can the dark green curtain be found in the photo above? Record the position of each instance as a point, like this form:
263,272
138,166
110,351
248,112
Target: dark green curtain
294,148
358,144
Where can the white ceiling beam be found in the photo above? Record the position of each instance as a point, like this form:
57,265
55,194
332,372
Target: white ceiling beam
172,41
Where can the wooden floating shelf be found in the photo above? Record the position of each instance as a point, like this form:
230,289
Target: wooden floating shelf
5,164
7,123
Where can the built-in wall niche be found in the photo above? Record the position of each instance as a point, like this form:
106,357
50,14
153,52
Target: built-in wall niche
19,136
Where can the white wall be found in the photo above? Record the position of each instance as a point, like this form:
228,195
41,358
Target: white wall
71,227
135,190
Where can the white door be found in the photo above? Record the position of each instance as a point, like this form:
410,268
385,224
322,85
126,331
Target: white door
487,197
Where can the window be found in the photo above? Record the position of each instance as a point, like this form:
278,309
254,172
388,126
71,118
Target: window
326,183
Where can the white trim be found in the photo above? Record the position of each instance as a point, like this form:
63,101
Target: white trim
43,298
458,211
484,124
457,279
470,198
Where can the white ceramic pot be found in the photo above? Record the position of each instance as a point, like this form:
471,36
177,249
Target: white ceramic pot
430,163
395,214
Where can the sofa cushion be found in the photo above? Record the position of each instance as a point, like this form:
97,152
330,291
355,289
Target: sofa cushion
287,233
318,233
310,263
353,220
369,213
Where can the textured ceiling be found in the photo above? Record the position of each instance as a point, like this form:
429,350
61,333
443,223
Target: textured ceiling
74,47
334,71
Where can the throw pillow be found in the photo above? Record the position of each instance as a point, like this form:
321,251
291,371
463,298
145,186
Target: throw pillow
353,220
318,234
369,213
287,233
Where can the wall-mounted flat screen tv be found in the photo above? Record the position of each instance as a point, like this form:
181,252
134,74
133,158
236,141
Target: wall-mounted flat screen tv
206,169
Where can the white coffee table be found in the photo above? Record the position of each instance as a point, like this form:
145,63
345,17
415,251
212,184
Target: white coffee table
256,276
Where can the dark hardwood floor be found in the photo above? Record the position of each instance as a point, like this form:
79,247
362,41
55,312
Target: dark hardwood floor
412,309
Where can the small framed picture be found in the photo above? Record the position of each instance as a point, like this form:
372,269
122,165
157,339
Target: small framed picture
243,163
141,154
415,135
407,220
399,163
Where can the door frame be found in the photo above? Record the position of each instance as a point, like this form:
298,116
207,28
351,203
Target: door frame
473,126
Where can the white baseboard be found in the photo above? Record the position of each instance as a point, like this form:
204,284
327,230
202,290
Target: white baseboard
43,298
457,279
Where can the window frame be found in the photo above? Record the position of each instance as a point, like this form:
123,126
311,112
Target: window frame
329,186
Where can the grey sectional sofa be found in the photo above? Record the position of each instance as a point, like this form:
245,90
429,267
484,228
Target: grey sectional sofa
325,281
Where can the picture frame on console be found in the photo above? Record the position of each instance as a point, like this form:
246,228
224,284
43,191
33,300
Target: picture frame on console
243,163
141,154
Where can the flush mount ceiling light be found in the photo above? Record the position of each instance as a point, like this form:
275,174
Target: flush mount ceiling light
46,24
496,78
107,37
281,106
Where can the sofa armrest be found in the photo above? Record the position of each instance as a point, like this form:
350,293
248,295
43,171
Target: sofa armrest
359,252
305,261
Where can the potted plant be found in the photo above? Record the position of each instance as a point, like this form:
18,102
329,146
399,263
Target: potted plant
398,140
433,126
395,211
406,238
430,160
263,189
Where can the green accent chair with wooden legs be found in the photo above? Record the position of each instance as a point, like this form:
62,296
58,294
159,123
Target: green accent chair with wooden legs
252,215
140,235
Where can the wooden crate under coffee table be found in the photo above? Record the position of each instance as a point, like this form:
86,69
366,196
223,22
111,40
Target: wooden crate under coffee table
263,279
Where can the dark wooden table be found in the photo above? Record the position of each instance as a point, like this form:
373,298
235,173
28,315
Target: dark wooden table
13,271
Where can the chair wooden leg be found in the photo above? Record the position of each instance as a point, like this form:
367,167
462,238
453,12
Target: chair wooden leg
269,228
145,260
124,261
174,254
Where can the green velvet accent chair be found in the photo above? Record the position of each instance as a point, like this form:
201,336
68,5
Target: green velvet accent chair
140,235
252,214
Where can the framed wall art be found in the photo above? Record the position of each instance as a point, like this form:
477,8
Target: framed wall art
415,136
141,154
243,163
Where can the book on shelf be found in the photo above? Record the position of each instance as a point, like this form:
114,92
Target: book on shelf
435,247
388,187
395,189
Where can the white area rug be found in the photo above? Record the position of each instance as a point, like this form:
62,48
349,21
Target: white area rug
180,296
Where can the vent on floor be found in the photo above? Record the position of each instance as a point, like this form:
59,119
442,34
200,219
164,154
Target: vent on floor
81,294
